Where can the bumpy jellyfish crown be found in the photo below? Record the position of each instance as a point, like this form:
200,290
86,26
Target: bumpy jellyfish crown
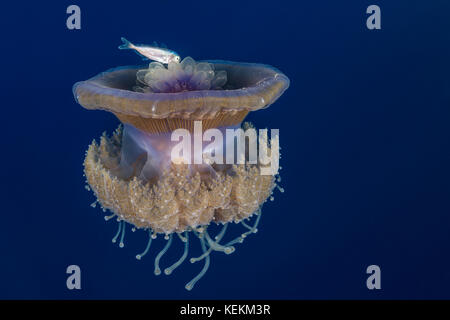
177,77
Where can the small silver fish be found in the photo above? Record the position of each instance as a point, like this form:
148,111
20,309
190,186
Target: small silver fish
150,52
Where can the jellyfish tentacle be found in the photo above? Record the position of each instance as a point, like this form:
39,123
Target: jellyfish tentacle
191,283
160,254
221,233
107,218
246,225
217,238
253,229
121,244
255,225
234,241
203,256
181,237
216,246
139,256
170,269
119,230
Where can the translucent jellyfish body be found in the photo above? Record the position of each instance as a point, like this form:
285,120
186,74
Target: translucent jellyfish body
131,172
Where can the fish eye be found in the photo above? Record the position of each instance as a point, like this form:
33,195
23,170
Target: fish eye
177,59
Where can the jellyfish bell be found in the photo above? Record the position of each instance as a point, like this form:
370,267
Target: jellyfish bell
132,173
248,87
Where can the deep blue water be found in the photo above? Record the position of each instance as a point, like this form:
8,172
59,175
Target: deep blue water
363,129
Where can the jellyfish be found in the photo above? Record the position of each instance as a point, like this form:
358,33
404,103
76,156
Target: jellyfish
133,176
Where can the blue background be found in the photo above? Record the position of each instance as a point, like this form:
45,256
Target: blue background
363,128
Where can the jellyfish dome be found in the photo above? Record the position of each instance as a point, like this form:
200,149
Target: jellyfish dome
132,172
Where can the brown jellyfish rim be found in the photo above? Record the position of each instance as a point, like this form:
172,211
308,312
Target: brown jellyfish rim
257,87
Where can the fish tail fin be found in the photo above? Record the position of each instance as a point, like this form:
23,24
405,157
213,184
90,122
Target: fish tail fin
126,44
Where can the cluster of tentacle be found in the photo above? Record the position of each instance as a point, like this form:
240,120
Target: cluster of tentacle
207,243
186,75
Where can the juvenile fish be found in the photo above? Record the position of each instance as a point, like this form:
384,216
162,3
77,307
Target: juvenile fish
161,55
